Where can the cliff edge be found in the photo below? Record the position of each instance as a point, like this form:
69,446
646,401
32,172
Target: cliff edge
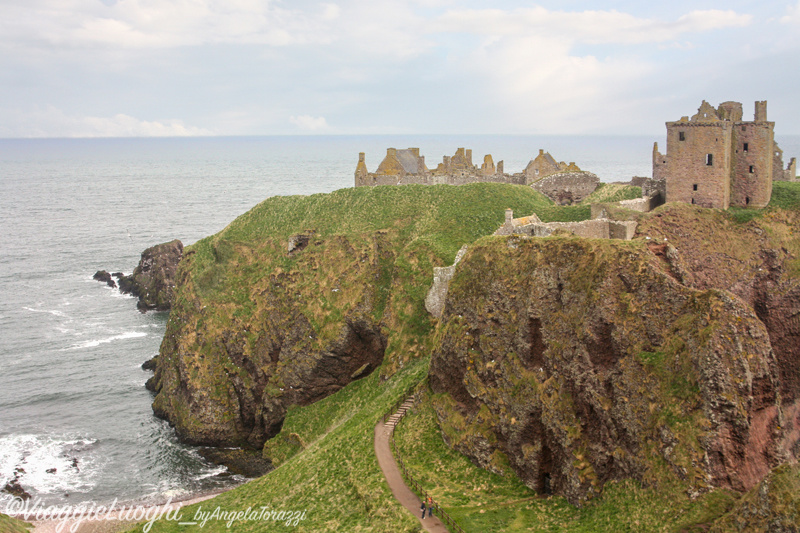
574,362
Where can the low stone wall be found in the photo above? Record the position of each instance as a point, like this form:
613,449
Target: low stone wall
644,205
567,188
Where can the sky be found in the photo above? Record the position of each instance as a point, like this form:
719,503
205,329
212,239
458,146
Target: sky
121,68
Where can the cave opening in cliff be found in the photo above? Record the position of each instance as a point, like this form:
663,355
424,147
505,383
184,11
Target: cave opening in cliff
544,481
534,358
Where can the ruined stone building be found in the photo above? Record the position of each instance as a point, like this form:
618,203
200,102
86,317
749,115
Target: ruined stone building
716,159
600,227
563,183
405,167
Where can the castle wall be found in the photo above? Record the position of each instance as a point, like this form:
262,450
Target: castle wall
790,174
745,159
691,177
567,188
751,176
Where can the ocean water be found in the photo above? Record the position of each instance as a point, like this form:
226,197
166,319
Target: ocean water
74,413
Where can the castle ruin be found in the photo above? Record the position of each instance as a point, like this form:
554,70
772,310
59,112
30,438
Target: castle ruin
563,183
716,159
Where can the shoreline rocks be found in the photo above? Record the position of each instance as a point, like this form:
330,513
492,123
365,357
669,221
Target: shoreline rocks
153,280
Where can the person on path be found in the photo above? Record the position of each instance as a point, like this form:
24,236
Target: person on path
423,509
430,506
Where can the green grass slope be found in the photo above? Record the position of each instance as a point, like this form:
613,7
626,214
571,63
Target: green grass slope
329,470
12,525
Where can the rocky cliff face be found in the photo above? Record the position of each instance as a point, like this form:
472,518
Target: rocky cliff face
290,334
153,280
574,362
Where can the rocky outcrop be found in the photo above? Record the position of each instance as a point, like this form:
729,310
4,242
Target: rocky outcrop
773,505
153,280
14,488
581,361
302,332
104,277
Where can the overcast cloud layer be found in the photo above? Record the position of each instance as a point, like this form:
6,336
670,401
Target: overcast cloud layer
87,68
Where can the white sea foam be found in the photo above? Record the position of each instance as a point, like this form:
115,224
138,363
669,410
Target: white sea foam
71,461
50,311
97,342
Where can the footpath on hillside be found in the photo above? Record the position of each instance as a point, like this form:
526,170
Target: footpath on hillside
394,478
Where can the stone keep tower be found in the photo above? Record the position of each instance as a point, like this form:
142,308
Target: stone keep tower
715,159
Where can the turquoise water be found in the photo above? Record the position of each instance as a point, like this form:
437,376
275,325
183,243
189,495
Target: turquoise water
72,393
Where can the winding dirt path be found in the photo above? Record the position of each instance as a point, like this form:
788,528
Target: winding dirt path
395,480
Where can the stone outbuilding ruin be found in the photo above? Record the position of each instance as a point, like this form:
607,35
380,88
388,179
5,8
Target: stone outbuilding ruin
563,183
717,159
596,228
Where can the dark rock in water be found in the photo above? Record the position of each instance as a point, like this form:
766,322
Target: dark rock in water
51,470
118,275
75,464
247,463
105,277
153,280
13,487
150,364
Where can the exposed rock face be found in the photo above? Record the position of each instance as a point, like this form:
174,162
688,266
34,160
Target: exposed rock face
153,280
581,361
247,463
226,378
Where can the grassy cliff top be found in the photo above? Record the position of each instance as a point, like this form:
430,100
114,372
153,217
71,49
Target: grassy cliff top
448,215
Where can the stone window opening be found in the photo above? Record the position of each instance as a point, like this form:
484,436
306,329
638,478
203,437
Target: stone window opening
751,169
692,201
694,187
709,160
746,200
681,136
745,147
744,128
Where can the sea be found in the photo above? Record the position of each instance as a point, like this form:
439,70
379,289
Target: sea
76,424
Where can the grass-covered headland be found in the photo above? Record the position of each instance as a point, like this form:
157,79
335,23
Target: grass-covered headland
324,451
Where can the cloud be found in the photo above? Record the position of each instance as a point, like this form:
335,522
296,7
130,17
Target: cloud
309,123
163,23
593,27
52,122
792,15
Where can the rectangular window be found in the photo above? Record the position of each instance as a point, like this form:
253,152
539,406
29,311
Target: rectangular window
694,187
681,136
709,159
751,169
744,128
745,147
